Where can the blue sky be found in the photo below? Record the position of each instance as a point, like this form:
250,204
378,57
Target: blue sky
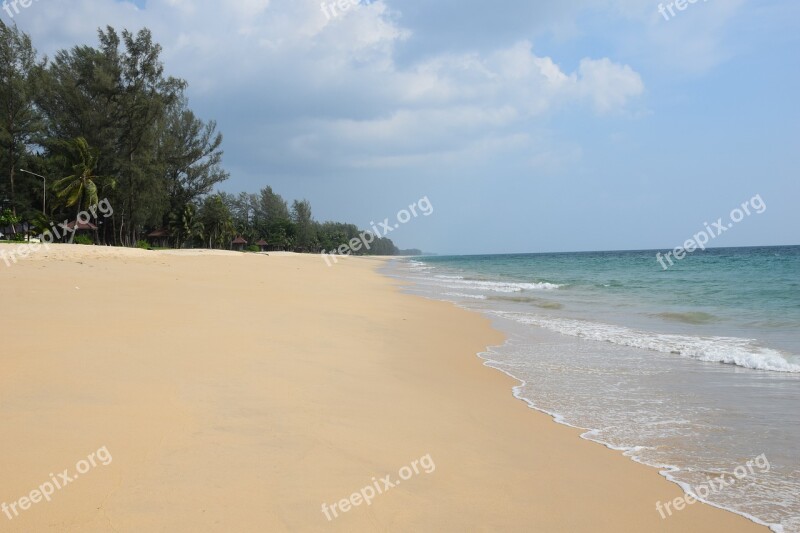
531,126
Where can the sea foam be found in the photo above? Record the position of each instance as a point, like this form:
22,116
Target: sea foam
729,350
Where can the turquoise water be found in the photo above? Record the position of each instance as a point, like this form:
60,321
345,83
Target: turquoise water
695,369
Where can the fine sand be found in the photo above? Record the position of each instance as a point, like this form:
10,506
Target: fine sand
238,392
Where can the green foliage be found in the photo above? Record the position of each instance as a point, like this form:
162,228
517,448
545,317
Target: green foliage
332,235
81,187
218,228
117,97
192,155
8,218
411,252
253,248
20,120
111,110
82,239
305,231
144,245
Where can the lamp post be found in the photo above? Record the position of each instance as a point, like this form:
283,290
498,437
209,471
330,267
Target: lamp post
44,189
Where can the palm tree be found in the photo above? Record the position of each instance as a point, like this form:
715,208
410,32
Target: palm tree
216,222
81,187
185,227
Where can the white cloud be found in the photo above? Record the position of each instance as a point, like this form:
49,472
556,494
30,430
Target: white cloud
332,89
609,86
693,41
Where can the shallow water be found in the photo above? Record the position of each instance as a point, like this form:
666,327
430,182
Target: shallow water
695,369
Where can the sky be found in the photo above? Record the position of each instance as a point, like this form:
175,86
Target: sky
529,126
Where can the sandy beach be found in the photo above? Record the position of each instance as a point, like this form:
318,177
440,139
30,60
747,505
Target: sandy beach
250,392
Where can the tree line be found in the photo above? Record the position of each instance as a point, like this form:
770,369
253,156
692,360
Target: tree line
106,121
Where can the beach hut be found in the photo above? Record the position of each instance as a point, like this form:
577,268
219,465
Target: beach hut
262,245
238,244
158,238
77,227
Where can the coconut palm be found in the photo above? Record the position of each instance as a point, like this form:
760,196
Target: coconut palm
216,222
185,226
81,187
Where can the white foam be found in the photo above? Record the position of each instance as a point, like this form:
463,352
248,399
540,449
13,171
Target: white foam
730,350
419,266
464,295
632,452
496,286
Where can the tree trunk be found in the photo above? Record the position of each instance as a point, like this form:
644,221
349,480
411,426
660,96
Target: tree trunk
13,197
11,151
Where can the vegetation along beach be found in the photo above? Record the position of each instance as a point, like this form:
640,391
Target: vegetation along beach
399,266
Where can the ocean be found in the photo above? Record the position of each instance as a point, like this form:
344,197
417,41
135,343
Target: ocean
694,369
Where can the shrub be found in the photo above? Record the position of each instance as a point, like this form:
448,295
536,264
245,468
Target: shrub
253,248
144,245
83,239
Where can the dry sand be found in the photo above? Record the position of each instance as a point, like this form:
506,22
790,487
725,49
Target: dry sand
239,392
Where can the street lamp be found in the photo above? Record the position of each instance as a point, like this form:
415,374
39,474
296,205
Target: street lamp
44,188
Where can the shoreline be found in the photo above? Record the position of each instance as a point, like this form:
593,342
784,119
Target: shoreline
584,433
663,470
238,391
